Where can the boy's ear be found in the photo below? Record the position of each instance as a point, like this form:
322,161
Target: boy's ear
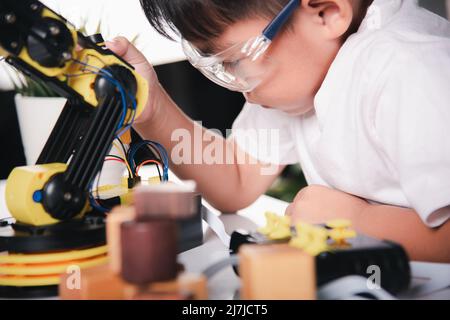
333,16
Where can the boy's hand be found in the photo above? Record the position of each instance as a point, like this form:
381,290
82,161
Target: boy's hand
125,49
318,204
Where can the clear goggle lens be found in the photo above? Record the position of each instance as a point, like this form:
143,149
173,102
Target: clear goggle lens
240,68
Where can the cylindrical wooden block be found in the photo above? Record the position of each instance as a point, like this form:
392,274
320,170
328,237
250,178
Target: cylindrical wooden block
149,251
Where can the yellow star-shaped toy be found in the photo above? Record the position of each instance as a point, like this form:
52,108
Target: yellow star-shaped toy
277,227
311,239
341,231
271,220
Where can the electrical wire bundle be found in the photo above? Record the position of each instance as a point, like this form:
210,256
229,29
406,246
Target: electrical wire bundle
123,125
128,158
133,169
90,69
158,150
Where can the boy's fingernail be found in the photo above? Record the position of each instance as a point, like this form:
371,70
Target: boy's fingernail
112,42
118,39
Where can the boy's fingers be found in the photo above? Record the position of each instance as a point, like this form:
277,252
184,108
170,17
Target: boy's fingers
289,210
127,51
118,45
123,48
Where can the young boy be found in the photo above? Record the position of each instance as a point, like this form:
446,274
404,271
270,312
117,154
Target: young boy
357,91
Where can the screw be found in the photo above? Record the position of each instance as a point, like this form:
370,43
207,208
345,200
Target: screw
10,18
54,30
34,6
14,45
67,197
67,55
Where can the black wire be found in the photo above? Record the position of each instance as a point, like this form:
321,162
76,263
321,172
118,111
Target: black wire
130,174
97,191
156,153
153,150
114,156
159,173
125,151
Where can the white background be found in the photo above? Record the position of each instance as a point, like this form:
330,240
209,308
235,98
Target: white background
119,17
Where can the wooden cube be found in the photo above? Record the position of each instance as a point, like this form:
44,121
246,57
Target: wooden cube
190,286
98,283
276,272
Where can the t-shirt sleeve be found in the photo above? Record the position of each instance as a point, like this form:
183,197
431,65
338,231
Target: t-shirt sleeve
412,124
265,135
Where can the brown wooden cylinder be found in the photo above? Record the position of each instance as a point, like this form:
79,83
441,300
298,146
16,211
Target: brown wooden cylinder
149,251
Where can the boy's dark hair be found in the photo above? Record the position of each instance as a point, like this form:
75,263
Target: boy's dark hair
201,21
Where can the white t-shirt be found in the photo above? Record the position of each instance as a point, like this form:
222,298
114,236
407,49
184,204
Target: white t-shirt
380,128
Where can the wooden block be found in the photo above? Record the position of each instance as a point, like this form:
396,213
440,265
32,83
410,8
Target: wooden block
197,285
161,296
114,220
98,283
166,201
191,286
149,251
276,272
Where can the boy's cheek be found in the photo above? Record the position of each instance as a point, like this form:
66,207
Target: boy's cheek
288,90
292,102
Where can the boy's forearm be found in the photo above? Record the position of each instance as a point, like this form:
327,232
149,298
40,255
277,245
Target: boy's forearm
319,204
405,227
217,182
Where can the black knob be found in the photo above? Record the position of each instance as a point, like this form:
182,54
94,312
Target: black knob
104,87
50,43
62,200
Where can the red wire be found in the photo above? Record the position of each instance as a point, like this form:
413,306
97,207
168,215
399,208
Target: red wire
147,162
115,159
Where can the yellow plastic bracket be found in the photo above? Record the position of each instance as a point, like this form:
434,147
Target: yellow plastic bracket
83,82
22,183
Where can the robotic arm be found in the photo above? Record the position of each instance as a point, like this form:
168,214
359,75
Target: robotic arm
104,95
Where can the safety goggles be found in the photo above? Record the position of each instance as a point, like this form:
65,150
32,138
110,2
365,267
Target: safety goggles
243,66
